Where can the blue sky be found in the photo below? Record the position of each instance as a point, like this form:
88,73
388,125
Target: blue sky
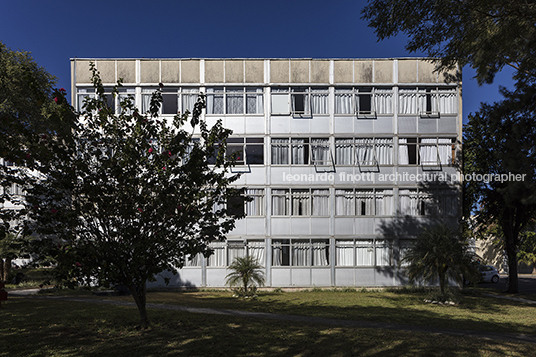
55,31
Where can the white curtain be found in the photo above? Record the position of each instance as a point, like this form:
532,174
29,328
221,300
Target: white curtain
122,97
344,100
321,151
403,153
189,98
301,203
256,250
194,262
235,100
301,100
320,253
319,100
217,259
145,102
428,152
215,104
301,253
384,151
383,99
280,151
445,151
383,254
321,203
409,203
364,202
255,207
254,101
364,252
447,101
277,253
344,151
300,151
235,250
344,202
407,101
280,202
344,250
365,151
384,202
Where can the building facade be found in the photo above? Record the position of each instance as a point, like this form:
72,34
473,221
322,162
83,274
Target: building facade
344,159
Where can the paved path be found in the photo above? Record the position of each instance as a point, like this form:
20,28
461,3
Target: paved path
304,319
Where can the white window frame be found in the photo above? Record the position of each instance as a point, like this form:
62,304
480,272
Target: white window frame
243,94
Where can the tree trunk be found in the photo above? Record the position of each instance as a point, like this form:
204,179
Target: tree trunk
2,270
511,253
7,270
139,293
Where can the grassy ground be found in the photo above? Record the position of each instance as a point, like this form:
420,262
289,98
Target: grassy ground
42,327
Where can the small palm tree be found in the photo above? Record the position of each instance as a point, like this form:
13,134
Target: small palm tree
439,253
245,272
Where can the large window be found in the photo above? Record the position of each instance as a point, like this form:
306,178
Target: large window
429,202
247,151
300,252
427,100
300,101
363,202
300,202
363,252
225,252
363,100
364,151
235,100
301,151
426,151
174,100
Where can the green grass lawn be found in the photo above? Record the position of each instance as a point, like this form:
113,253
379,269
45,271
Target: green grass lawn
42,327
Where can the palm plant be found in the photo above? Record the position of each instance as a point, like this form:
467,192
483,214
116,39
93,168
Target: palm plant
246,272
439,253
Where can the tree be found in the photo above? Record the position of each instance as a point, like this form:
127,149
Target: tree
246,272
30,109
486,34
439,253
527,249
499,149
134,196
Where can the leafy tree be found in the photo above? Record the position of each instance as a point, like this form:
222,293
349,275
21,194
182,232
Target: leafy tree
486,34
439,253
527,249
135,195
499,143
30,109
246,272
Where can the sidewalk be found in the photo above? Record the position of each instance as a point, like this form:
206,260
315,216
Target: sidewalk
300,319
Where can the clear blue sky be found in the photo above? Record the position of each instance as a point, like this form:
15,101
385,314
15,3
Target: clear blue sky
55,31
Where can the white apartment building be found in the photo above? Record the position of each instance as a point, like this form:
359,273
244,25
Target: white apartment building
344,158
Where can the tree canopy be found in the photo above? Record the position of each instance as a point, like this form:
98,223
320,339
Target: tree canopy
486,34
134,195
499,142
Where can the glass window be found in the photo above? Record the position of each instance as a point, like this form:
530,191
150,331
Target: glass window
363,252
300,252
235,100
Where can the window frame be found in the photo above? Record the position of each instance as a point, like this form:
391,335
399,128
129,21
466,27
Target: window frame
244,94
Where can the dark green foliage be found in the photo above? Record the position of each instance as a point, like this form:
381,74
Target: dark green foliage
246,273
486,34
439,253
500,140
133,196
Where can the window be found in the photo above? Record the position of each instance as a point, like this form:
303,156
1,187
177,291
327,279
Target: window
226,252
235,100
363,252
255,206
125,95
363,100
426,151
427,100
430,202
363,202
300,252
83,95
300,202
174,100
301,151
300,101
364,151
247,151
